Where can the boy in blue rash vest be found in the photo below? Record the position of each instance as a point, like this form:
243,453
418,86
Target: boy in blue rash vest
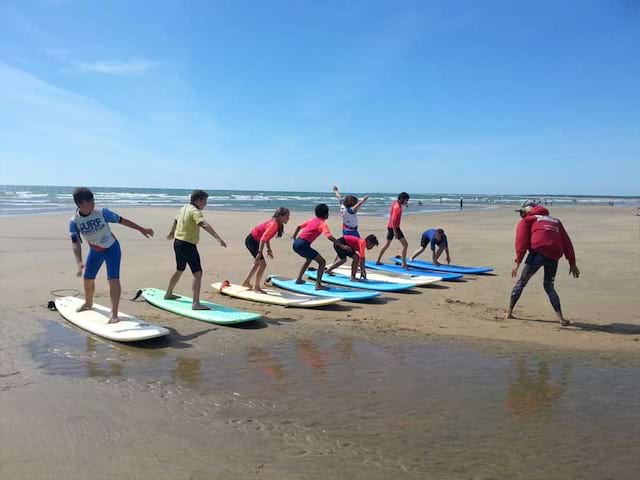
93,225
433,237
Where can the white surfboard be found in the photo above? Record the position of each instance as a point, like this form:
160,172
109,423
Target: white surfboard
417,280
96,320
274,297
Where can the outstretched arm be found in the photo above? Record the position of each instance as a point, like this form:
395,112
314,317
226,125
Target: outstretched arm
147,232
209,229
359,204
173,230
77,252
337,192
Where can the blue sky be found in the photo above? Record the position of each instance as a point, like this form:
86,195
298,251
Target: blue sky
423,96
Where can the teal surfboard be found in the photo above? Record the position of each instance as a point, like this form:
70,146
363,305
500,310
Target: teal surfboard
310,289
444,268
182,306
385,267
344,281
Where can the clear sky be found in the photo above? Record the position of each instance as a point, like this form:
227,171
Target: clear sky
423,96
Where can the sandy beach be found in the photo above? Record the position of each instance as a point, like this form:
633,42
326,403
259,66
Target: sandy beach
52,425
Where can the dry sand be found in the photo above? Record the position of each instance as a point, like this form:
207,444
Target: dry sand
48,430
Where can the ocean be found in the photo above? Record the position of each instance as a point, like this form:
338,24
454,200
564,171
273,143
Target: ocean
31,200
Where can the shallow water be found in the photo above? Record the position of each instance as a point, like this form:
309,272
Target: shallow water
428,411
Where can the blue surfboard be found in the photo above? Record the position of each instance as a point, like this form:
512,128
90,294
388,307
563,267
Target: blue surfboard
310,289
443,268
344,281
412,271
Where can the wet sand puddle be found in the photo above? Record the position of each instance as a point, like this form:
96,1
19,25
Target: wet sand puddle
418,410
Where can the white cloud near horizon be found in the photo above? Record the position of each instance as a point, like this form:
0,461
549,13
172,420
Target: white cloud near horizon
128,68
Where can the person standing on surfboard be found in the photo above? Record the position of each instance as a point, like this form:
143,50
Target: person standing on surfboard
93,225
185,231
357,252
547,241
393,228
433,237
259,238
349,206
309,231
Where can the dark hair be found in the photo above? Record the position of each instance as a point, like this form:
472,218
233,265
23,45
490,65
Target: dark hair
81,195
403,196
440,231
322,211
281,212
372,239
350,201
198,195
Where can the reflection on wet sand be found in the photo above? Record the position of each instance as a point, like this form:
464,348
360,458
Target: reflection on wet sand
530,391
312,356
110,368
187,370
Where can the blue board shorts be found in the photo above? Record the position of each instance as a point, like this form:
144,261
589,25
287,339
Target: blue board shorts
303,248
96,258
351,231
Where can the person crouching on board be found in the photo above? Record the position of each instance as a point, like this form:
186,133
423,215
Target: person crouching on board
260,238
93,225
434,238
547,241
393,228
357,252
309,231
185,231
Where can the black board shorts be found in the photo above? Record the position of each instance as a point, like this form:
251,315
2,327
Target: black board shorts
390,234
343,253
252,245
186,254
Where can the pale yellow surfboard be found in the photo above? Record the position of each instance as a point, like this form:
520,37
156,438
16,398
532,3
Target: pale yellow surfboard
274,297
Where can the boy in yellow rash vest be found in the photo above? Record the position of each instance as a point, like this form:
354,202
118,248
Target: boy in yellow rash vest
186,232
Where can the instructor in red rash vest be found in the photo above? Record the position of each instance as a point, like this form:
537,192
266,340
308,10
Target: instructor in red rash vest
547,241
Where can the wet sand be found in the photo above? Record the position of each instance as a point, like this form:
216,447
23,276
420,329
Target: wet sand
111,424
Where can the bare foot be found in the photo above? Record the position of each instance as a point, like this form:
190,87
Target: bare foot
299,282
379,262
84,306
404,265
199,306
113,319
259,290
171,296
564,322
247,285
321,287
508,314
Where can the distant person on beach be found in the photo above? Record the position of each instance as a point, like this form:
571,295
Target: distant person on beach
357,251
547,241
393,228
309,231
460,204
93,225
349,206
260,238
185,231
435,238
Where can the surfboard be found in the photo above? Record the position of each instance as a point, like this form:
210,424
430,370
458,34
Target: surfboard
443,268
309,288
274,297
380,276
385,267
218,314
128,329
368,284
